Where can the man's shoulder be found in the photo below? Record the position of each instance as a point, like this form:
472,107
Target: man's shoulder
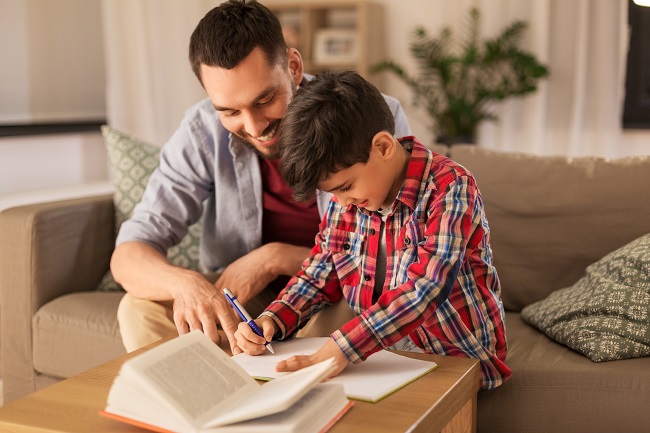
391,100
200,126
201,111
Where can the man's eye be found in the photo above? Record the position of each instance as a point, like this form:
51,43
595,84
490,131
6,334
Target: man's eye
232,113
265,101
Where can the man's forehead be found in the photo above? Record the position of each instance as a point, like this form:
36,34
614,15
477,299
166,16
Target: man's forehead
243,84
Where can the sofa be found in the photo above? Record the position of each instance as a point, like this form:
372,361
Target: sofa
550,218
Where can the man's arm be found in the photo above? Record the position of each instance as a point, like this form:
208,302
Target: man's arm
250,274
145,273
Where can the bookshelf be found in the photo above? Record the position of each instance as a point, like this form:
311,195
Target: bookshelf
334,35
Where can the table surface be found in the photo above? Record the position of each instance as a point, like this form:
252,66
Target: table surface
426,405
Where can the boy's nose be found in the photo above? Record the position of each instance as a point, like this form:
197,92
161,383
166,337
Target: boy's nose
349,201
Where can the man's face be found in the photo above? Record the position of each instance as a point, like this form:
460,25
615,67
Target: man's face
252,98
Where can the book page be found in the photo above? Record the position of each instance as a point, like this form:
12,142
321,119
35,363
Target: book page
276,396
194,379
381,374
318,410
263,366
193,376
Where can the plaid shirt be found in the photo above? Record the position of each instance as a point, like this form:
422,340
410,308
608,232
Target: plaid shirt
441,289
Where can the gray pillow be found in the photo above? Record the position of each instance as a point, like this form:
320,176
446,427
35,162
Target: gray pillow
606,314
131,162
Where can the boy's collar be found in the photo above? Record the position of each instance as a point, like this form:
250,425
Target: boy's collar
415,172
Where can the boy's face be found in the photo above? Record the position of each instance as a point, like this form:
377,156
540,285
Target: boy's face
252,98
373,185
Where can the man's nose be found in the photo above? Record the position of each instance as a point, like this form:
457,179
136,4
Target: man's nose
255,124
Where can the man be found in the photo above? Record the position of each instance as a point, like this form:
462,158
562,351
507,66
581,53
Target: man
222,164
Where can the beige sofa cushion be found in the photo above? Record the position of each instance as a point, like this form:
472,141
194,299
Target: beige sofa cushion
551,217
554,389
76,332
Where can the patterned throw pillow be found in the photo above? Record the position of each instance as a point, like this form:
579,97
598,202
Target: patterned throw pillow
606,314
132,162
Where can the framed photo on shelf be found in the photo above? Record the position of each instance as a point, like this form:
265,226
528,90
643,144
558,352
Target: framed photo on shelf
335,46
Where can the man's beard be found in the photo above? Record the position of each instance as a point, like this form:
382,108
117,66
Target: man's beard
274,151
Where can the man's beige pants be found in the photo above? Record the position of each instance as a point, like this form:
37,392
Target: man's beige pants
143,322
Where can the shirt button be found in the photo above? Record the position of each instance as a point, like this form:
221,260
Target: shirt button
346,247
366,277
407,241
372,231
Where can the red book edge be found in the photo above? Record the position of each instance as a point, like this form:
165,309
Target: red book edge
154,428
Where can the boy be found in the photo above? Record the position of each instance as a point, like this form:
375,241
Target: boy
405,240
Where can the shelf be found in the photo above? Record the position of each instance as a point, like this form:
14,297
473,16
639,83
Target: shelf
335,35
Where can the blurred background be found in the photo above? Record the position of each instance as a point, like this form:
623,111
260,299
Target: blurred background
71,65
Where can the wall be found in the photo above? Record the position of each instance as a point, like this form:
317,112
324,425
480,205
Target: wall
53,61
52,71
29,163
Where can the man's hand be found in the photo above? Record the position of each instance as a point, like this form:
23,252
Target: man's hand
145,273
249,341
329,350
199,305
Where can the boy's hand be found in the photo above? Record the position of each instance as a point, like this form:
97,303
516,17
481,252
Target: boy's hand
329,350
249,341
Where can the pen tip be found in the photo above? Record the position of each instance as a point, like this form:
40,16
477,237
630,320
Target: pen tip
268,346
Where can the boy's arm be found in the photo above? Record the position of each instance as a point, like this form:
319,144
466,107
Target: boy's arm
313,287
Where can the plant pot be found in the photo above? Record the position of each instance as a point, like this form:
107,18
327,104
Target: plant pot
455,139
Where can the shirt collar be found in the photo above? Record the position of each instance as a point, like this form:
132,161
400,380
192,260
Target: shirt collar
418,168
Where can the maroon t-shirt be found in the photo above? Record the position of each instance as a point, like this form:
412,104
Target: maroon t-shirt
283,219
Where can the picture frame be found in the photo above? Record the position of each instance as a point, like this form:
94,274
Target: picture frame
335,46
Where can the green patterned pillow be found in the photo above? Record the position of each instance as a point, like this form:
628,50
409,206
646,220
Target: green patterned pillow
132,162
606,314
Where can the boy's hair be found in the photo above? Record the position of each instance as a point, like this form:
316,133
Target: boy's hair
229,32
328,127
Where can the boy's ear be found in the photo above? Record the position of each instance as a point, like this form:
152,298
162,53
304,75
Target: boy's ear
384,143
294,61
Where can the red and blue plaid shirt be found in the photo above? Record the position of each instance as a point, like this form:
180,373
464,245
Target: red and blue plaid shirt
441,288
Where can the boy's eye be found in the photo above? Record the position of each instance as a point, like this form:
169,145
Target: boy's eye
345,188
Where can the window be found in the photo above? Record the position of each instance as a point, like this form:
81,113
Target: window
636,111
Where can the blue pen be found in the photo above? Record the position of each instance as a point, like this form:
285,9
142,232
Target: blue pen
239,308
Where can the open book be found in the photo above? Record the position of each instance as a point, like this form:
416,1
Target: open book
381,374
190,385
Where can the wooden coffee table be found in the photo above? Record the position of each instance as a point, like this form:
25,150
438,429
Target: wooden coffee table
443,400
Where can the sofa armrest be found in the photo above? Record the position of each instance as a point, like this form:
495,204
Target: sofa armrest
48,250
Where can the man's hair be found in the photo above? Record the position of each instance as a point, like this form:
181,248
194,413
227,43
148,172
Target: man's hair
229,32
328,127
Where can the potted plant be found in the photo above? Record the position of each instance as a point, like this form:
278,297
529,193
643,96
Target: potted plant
458,82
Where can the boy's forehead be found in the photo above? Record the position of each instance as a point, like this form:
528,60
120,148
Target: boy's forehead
335,180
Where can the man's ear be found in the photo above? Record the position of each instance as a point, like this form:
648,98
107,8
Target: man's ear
294,61
384,143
